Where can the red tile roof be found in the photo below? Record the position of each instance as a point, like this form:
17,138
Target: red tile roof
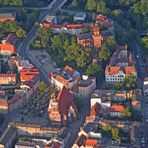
135,102
64,100
118,108
28,74
91,142
9,48
7,75
69,70
113,70
96,28
62,80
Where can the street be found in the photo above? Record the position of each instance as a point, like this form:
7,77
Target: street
143,135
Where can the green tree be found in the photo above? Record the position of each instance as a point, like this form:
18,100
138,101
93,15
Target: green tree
91,4
17,3
44,34
75,3
111,44
130,82
107,130
42,86
144,43
21,33
101,7
117,85
127,113
6,2
104,53
93,70
115,133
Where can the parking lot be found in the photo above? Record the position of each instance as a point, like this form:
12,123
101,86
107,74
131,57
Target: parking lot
44,60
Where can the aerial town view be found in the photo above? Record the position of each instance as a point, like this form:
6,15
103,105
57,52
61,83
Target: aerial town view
73,73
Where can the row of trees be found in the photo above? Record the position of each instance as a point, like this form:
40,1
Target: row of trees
27,18
114,133
29,3
129,83
144,43
129,13
12,26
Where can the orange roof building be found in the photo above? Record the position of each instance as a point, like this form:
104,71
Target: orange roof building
90,39
122,64
7,49
118,108
90,143
28,74
67,77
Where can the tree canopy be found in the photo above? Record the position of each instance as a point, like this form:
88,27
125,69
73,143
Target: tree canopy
104,53
93,70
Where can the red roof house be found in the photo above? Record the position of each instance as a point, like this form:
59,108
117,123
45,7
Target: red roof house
90,143
8,45
7,49
7,17
116,110
28,74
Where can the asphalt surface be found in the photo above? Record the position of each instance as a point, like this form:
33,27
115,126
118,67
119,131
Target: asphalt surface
141,74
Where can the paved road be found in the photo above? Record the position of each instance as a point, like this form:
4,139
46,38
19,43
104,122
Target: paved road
75,127
141,74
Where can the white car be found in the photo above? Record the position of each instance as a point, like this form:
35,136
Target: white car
143,140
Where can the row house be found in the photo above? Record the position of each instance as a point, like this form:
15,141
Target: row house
116,110
7,17
31,86
22,95
90,39
26,74
8,79
122,64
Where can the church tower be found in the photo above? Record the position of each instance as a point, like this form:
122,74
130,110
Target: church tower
97,37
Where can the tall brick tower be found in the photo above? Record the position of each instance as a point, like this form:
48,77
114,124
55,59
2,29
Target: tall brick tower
97,37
